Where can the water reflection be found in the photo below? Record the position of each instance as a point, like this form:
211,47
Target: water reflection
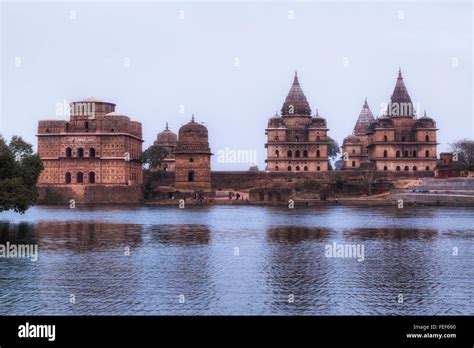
298,275
295,234
183,235
391,233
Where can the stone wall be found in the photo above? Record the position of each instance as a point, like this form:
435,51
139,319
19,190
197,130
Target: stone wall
100,194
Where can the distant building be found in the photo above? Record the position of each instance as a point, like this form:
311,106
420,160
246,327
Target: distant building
193,158
97,146
354,147
395,142
445,166
297,141
253,168
168,141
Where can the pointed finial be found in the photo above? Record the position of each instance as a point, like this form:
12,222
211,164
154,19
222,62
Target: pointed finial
317,112
295,80
366,105
192,118
166,126
400,72
424,114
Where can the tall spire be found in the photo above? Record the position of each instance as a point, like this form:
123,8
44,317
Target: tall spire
400,102
166,126
296,102
365,118
192,118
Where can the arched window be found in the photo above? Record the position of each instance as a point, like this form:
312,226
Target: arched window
305,153
191,175
68,152
289,154
67,178
398,168
318,168
318,138
427,138
353,163
427,168
91,178
277,138
305,168
385,168
415,168
80,152
277,153
403,138
289,168
297,138
385,138
427,153
414,153
405,154
318,153
91,152
406,168
86,125
80,177
297,168
297,153
353,151
276,168
191,159
397,154
385,153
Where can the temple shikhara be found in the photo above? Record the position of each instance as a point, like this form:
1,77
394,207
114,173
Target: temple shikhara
96,146
296,140
394,142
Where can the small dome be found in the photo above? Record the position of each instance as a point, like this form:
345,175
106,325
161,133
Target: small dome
167,137
351,139
193,131
318,121
275,120
425,122
383,122
193,138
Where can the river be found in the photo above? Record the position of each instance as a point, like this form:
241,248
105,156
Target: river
239,260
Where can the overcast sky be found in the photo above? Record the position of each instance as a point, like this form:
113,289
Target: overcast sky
232,64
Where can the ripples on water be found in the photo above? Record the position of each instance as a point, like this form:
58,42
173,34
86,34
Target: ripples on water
238,260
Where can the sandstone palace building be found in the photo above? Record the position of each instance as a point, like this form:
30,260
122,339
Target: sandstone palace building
296,140
97,146
397,141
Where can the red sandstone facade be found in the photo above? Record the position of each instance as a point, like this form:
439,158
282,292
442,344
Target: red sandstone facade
193,158
397,141
297,141
97,146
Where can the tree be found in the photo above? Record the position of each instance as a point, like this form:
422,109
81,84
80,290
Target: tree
465,151
153,156
19,172
333,151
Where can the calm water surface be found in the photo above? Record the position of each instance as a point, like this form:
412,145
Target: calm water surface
238,260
